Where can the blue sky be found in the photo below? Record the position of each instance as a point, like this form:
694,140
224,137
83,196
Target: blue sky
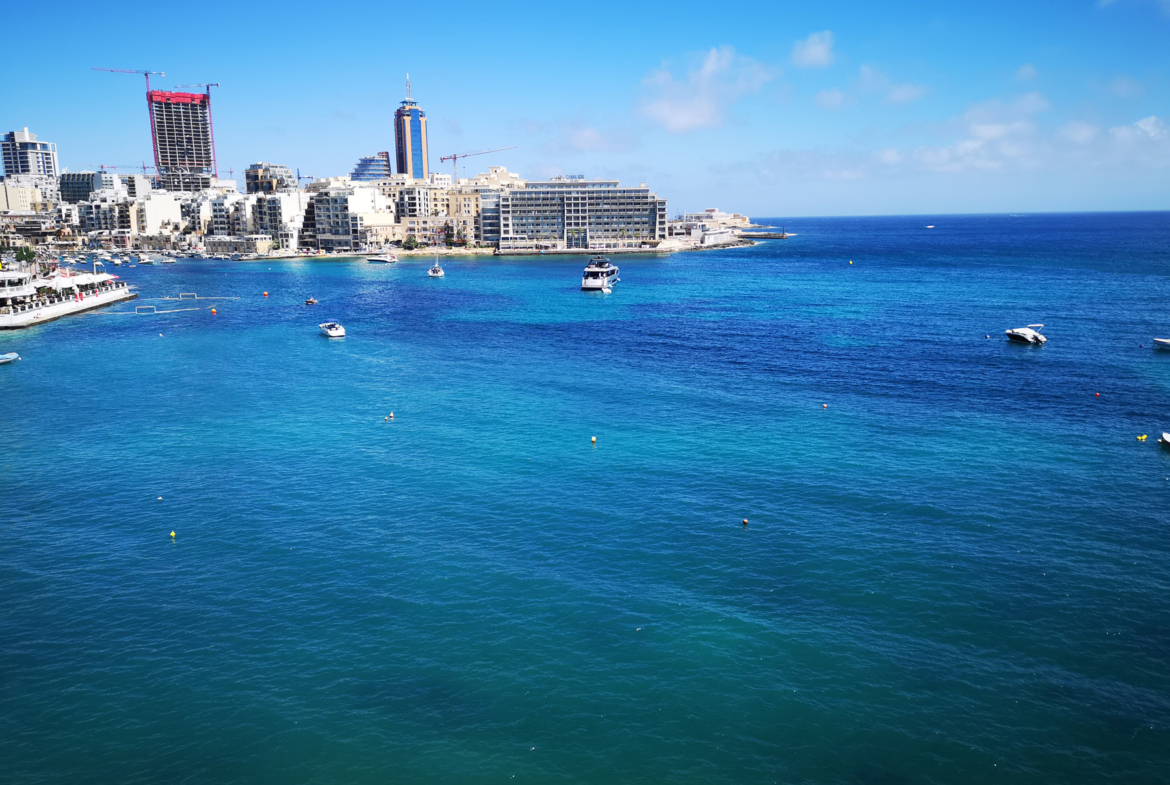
830,108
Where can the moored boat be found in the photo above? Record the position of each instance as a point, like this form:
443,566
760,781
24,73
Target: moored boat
332,329
1030,334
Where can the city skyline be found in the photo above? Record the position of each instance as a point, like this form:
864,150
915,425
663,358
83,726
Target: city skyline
841,109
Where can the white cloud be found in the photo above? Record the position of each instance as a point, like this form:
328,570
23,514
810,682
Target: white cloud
830,99
1124,87
871,80
703,99
1149,129
816,51
906,93
1079,132
1025,72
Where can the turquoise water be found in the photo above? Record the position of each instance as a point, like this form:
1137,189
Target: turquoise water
955,573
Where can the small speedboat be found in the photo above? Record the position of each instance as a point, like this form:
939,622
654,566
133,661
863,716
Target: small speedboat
332,330
1164,439
311,301
1162,343
391,259
436,271
1029,334
7,358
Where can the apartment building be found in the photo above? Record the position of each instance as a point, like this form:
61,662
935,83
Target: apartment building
574,213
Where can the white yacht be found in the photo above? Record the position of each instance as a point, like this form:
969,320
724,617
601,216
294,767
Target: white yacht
599,274
7,358
332,329
1029,334
1162,343
436,271
387,259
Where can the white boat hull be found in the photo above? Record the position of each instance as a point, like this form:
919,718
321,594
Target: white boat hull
48,313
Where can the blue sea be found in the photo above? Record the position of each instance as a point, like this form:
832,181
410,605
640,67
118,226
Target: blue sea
956,567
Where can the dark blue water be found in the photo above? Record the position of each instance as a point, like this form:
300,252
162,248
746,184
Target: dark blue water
958,572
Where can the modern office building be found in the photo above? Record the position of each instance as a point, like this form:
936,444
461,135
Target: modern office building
410,134
372,167
568,213
77,186
265,178
23,154
184,145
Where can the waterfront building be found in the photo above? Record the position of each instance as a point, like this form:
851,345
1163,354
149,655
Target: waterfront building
184,148
713,216
21,153
158,213
574,213
351,218
78,186
281,216
410,134
265,178
372,167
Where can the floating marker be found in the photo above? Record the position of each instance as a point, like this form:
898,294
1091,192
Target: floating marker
595,440
391,415
172,534
850,261
160,498
745,521
824,406
1098,395
213,312
266,294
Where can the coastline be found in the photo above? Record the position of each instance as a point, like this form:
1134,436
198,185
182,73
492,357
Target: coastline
451,252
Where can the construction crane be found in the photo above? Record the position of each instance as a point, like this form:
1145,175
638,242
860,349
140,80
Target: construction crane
454,159
210,124
147,74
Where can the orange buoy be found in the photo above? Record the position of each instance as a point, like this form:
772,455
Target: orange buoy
824,406
213,312
266,294
1098,395
745,521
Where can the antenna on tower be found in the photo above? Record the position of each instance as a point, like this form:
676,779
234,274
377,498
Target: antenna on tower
408,87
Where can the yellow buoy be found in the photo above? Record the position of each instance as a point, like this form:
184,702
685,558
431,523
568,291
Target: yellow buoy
850,261
172,534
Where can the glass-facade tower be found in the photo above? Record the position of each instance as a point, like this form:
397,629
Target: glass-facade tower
410,133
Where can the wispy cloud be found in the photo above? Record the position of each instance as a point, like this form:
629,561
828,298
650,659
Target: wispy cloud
816,51
705,96
1163,4
1124,87
830,99
1026,72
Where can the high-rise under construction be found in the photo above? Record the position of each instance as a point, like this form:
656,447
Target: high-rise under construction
184,144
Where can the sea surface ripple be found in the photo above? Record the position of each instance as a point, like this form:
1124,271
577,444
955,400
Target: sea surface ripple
957,572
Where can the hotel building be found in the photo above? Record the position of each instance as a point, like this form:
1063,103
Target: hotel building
410,133
574,213
23,154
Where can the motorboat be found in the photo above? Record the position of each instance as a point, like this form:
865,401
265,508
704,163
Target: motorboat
389,259
599,274
146,260
332,330
311,301
7,358
1164,439
436,271
1162,343
1030,334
